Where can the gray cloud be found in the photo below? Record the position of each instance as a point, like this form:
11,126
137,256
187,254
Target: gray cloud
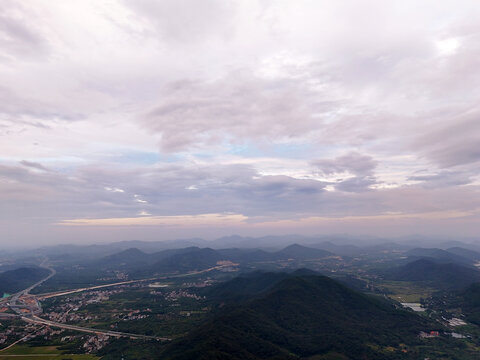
34,165
18,36
33,199
179,21
187,190
445,178
239,107
361,166
199,89
18,110
352,162
455,142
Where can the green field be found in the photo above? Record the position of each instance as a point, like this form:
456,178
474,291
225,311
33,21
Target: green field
49,357
26,352
404,291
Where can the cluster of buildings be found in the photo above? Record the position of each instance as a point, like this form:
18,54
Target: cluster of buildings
434,334
26,332
94,343
69,317
456,322
65,312
199,284
177,294
136,314
46,332
13,333
118,275
227,266
431,334
4,335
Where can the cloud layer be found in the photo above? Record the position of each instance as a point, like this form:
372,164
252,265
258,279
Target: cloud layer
253,116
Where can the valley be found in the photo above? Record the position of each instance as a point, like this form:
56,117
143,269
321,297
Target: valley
174,297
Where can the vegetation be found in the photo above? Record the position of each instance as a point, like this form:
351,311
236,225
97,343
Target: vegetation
13,281
469,302
439,255
438,275
286,314
302,252
406,291
26,352
303,316
131,349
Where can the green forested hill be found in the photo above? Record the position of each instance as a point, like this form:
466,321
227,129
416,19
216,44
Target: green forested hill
302,317
439,255
250,285
197,259
469,301
297,251
13,281
438,275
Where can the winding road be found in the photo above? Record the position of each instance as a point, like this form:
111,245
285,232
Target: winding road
34,319
13,300
31,317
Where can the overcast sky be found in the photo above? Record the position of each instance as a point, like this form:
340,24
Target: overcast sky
142,119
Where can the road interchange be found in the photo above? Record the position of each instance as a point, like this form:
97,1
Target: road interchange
29,313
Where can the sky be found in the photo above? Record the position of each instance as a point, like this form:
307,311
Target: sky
154,120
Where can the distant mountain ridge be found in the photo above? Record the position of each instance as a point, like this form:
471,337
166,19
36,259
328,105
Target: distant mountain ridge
340,249
441,275
195,258
465,253
340,244
302,252
439,255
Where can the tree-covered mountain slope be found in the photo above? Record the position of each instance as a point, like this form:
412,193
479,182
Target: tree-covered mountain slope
301,317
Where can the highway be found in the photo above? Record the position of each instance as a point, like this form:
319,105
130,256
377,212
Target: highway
73,291
37,320
34,319
12,301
